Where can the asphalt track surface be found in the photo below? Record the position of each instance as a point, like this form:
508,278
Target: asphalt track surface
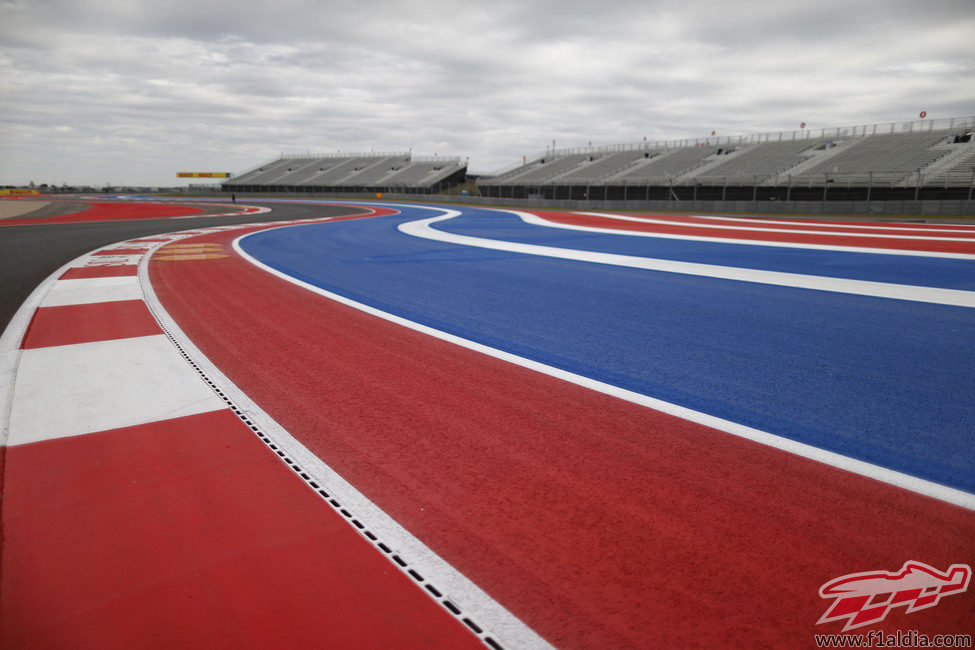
594,520
29,253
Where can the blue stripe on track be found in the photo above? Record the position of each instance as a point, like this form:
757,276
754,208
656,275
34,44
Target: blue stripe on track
884,381
898,269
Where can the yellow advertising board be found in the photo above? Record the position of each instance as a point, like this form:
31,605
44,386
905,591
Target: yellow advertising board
203,174
19,192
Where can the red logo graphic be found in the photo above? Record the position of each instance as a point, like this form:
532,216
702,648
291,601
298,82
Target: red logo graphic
865,598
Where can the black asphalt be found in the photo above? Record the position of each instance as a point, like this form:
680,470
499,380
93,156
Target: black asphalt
28,254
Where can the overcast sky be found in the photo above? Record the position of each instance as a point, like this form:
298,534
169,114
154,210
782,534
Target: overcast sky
130,91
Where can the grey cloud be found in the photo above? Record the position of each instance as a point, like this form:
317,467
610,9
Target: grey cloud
165,83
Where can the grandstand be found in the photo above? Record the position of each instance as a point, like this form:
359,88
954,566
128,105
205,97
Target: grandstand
919,159
354,172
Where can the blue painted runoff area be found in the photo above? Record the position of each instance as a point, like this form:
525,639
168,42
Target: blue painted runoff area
885,381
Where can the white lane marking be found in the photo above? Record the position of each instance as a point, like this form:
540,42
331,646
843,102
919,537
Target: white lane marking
536,220
940,227
80,291
954,297
109,260
70,390
507,628
10,340
892,477
684,224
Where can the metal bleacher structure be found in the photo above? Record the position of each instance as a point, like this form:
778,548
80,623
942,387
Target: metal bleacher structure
351,172
922,159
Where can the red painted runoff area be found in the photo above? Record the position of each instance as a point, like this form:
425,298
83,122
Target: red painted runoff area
186,533
598,522
938,244
113,212
99,321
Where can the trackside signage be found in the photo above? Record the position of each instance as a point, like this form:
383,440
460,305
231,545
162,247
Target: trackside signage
866,598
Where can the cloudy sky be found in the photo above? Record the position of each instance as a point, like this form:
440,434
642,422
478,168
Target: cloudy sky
132,91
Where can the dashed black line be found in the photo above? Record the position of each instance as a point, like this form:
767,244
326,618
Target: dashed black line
395,558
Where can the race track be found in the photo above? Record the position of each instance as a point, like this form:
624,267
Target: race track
583,430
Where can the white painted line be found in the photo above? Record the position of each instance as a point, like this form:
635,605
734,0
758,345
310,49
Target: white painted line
80,291
70,390
813,228
940,227
536,220
110,260
10,340
684,224
954,297
504,626
898,479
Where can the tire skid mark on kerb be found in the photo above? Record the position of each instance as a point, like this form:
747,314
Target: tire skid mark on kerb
175,335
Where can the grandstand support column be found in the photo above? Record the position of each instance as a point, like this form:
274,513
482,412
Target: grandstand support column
971,185
869,184
724,189
788,192
917,188
825,186
755,188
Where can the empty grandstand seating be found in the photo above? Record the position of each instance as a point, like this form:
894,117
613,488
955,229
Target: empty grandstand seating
906,155
664,167
961,172
602,166
756,162
350,172
880,159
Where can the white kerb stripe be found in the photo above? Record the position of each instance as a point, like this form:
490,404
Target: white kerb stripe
109,260
70,390
422,228
80,291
